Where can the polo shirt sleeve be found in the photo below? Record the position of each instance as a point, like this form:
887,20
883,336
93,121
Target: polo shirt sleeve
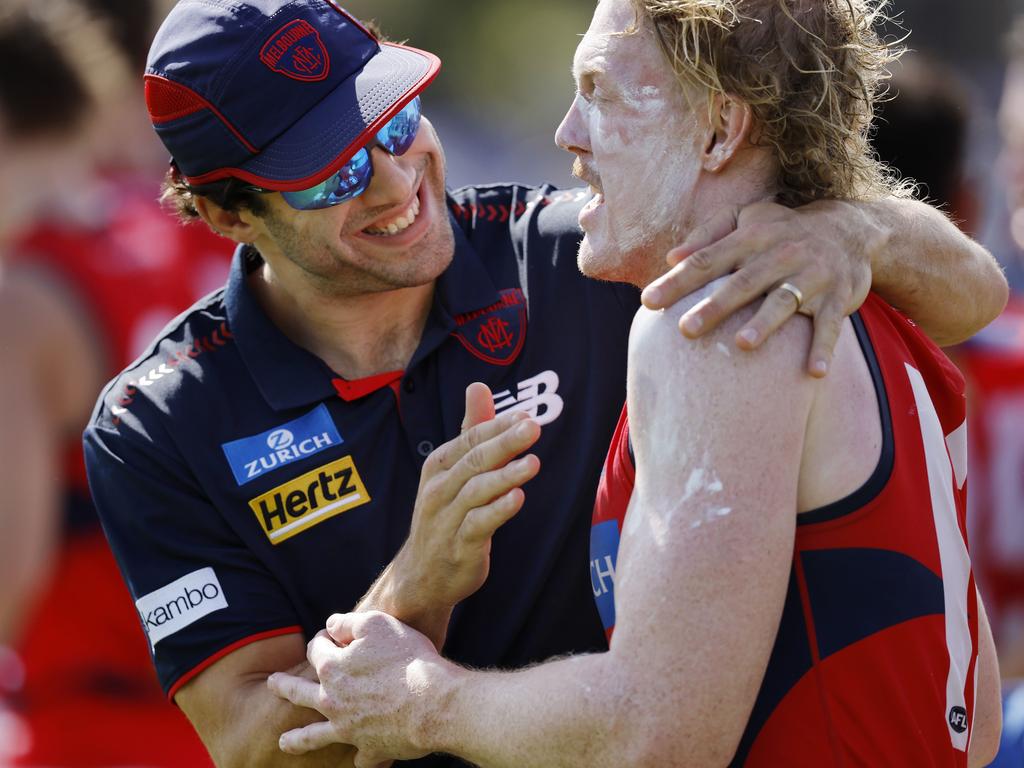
200,592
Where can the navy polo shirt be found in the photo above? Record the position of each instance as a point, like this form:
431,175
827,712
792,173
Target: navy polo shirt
247,491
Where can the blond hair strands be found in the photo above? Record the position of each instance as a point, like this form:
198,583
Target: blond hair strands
811,71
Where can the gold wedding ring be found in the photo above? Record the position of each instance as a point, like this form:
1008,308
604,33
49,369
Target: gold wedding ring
796,292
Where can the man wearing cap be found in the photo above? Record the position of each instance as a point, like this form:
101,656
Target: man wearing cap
260,465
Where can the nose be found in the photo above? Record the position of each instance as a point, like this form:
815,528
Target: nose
573,133
394,178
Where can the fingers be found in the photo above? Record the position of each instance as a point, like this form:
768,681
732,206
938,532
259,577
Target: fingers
485,473
779,305
481,523
828,324
719,226
299,741
730,295
323,645
479,405
340,628
297,690
483,489
449,454
700,268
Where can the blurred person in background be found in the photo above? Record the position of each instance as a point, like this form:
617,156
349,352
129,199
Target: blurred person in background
91,269
994,363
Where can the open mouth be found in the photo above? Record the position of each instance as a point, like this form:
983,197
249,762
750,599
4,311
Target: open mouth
398,224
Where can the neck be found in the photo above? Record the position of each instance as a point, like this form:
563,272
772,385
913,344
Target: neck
357,336
735,190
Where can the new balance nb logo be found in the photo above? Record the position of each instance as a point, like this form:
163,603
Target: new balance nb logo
538,396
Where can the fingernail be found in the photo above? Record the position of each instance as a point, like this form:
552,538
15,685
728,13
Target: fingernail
692,323
332,624
749,335
820,367
524,430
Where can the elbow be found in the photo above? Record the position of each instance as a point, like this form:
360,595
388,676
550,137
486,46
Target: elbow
984,747
990,303
1000,297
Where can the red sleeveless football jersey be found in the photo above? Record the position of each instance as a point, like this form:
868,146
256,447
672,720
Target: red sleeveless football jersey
874,661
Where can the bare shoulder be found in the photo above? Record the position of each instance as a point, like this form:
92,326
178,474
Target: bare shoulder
657,345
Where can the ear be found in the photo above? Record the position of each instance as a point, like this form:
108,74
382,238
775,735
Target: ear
731,124
240,226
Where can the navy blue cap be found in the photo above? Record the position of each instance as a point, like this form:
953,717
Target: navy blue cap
278,93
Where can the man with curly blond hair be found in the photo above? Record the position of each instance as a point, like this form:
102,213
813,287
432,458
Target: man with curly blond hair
780,561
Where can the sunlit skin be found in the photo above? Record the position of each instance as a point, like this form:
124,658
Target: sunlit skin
643,141
357,299
331,248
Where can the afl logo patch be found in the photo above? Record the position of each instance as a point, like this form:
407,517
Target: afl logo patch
296,51
495,334
958,719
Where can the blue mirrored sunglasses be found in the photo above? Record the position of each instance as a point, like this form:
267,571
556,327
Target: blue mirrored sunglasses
353,178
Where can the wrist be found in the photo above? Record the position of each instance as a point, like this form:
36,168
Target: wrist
439,682
399,592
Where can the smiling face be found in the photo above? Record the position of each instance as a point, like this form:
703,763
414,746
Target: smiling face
395,235
638,142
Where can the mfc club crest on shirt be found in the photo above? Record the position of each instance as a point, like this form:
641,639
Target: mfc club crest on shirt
296,51
495,334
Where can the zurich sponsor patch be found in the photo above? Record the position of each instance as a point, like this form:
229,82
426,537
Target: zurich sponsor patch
182,602
253,457
604,553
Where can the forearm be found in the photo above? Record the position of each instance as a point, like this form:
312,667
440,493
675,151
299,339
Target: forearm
578,711
925,266
246,734
396,593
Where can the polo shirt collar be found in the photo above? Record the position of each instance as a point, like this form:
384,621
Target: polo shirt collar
289,376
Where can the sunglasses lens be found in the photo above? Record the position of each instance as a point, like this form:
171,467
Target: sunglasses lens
397,135
400,131
349,182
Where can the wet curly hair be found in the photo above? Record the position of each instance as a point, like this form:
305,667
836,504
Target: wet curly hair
811,71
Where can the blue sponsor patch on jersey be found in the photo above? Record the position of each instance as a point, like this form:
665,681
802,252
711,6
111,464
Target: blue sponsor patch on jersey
604,553
253,457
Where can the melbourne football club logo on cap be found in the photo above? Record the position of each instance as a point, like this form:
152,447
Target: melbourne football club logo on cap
296,51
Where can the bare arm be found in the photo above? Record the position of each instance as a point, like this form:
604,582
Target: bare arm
949,285
703,566
988,706
833,252
239,720
41,339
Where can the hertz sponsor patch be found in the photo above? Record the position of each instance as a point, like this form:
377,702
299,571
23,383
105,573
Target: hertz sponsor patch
309,499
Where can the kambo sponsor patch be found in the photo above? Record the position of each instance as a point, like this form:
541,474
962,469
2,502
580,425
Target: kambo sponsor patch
182,602
309,499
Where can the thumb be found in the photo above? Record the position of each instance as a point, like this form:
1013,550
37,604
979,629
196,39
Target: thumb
479,405
340,628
